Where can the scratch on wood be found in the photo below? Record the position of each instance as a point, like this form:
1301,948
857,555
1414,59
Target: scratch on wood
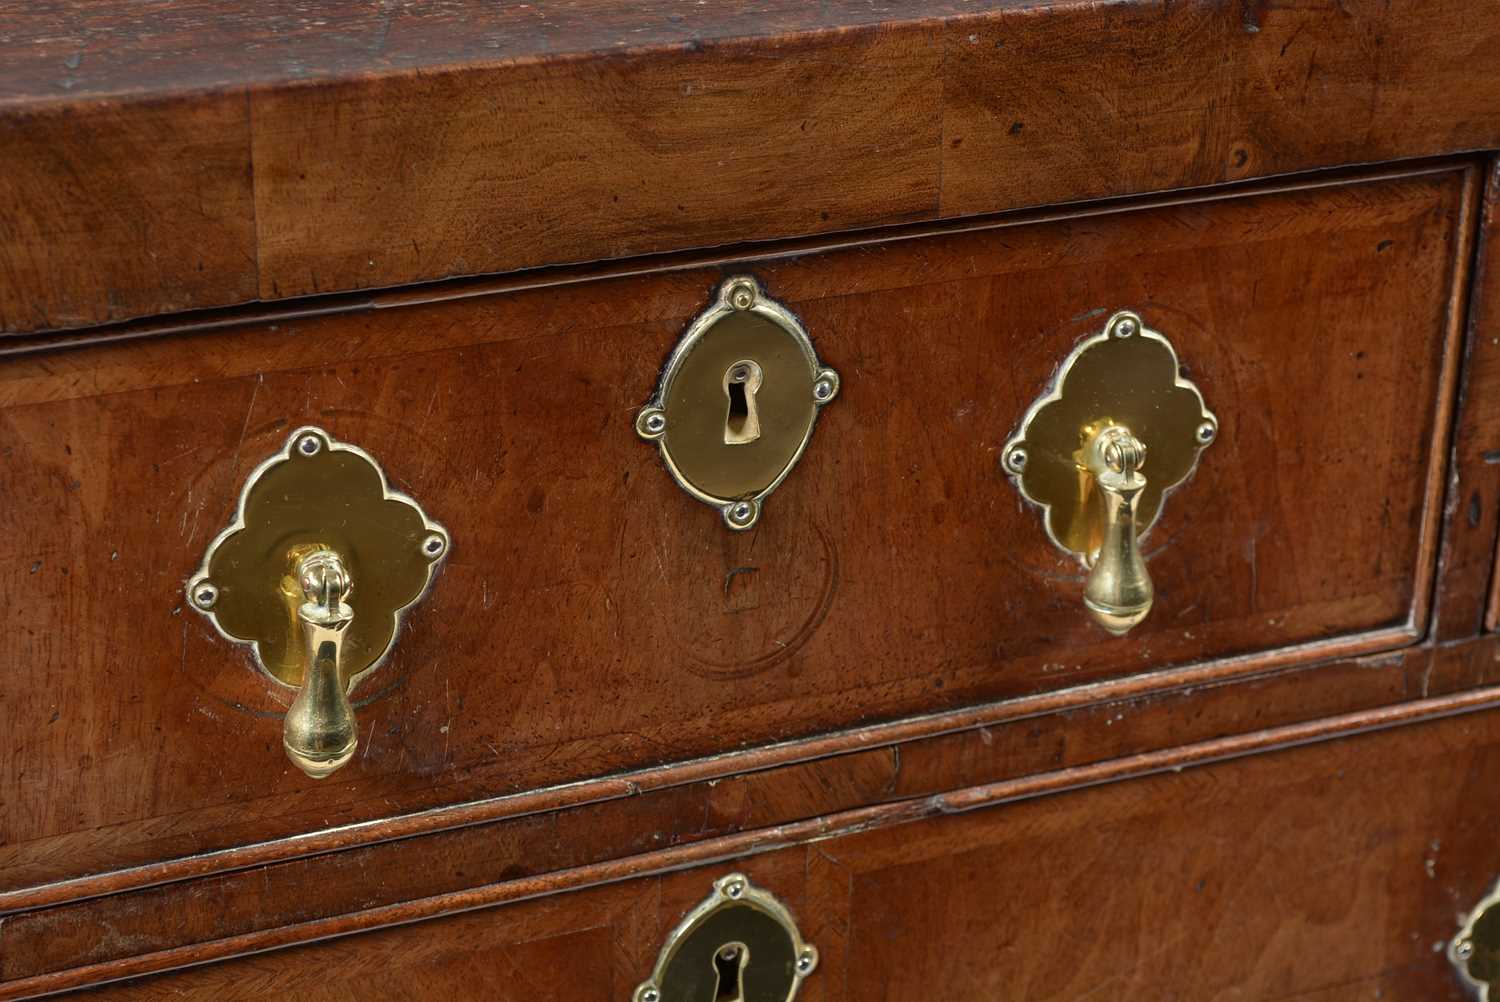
1250,555
260,377
729,578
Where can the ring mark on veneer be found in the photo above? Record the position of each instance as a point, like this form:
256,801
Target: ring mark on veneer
729,669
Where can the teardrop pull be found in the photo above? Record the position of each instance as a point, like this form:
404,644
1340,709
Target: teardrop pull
1119,592
319,733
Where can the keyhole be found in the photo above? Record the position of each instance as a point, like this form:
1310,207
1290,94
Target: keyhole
741,383
729,964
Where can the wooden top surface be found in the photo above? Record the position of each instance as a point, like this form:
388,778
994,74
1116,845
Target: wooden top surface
73,49
169,157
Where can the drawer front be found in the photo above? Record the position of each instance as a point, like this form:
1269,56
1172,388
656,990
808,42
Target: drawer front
1290,875
592,618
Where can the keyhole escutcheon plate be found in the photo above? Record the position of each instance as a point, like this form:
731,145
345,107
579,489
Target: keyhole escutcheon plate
737,401
739,944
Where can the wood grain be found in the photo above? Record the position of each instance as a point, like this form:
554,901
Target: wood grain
1471,519
73,50
1285,877
642,156
1033,756
1279,876
557,948
1477,452
1188,94
109,212
391,147
1465,600
577,572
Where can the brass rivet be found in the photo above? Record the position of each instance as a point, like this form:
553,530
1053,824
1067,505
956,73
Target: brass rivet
650,423
741,514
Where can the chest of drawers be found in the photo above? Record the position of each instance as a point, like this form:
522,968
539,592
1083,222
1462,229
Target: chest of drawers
472,249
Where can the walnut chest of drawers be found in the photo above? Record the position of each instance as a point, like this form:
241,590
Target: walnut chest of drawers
585,500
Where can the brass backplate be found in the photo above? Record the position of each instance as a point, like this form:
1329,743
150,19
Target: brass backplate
317,493
739,943
1125,375
1475,951
692,417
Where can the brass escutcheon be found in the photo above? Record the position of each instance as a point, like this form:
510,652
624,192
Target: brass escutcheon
739,943
737,401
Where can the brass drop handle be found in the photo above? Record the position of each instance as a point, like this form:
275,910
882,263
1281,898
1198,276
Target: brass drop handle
312,519
1119,590
319,733
1081,447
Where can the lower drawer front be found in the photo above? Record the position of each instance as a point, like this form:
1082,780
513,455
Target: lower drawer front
1334,871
